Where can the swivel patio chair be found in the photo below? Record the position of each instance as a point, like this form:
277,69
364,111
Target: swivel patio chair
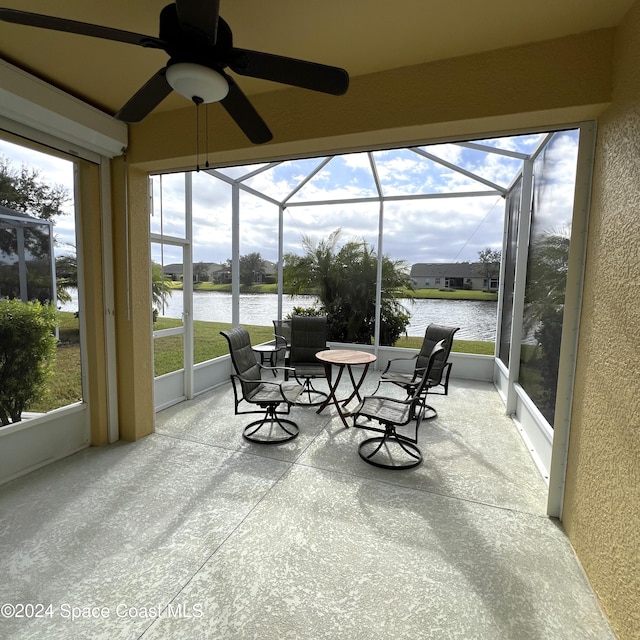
282,336
393,450
308,336
438,376
250,388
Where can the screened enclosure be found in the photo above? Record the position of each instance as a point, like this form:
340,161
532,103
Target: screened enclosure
27,263
434,203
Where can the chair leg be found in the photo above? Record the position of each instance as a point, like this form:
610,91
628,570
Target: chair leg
277,429
390,441
313,396
428,412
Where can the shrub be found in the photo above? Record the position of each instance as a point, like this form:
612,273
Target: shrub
305,311
27,355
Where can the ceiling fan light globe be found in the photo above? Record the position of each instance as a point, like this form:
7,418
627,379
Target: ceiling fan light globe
197,83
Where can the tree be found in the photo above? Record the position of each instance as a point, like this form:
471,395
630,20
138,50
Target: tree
200,271
251,266
24,190
489,263
344,279
160,290
66,276
544,310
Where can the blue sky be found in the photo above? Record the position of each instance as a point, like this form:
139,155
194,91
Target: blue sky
432,230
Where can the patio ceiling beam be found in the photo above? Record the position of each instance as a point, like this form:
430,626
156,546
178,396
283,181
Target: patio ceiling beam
258,171
258,194
235,182
221,176
378,308
488,149
542,145
322,164
424,196
458,169
374,173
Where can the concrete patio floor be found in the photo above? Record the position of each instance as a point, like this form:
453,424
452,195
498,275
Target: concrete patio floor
194,533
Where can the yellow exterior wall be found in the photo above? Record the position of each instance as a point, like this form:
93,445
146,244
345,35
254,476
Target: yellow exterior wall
601,512
133,321
556,81
88,176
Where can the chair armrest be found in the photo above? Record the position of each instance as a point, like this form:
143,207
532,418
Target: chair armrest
266,368
277,336
414,357
441,378
391,400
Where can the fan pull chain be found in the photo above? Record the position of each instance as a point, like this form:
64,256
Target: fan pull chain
206,135
198,101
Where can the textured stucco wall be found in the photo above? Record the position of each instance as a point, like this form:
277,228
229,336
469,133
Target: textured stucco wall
601,512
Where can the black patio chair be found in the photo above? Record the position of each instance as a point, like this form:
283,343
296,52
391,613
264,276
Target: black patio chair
438,376
393,450
249,387
282,336
308,336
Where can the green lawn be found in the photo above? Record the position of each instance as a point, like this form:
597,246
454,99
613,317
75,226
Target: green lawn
65,388
460,346
459,294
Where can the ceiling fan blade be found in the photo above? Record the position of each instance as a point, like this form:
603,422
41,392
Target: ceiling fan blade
81,28
146,99
299,73
199,16
246,117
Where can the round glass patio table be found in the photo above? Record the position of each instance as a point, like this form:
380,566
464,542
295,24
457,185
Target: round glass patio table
343,359
268,354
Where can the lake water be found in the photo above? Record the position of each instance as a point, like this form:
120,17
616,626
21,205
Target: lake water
476,319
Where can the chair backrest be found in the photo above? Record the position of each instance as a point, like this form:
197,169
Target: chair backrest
434,334
433,360
243,358
282,332
308,336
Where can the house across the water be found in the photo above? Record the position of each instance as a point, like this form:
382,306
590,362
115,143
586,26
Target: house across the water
454,275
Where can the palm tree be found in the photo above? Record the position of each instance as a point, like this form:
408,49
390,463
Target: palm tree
160,290
344,279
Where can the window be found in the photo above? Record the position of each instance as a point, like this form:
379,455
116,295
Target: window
38,259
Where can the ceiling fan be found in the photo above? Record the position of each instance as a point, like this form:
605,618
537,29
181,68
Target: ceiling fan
199,44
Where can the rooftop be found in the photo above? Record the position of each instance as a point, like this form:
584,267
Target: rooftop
235,540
